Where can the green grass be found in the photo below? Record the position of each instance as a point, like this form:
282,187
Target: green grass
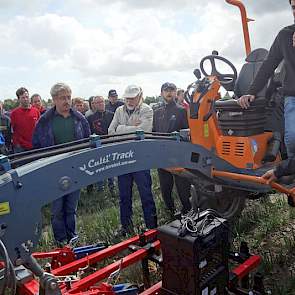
269,228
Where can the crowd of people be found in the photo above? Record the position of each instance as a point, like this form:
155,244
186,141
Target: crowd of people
32,126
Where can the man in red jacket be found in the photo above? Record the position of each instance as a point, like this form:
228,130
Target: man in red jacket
23,122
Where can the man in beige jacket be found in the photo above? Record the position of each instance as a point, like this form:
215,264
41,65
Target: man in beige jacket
134,115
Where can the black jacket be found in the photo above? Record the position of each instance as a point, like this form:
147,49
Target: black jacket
112,107
282,48
99,122
169,117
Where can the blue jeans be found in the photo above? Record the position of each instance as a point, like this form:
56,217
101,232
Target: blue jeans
63,217
144,184
290,125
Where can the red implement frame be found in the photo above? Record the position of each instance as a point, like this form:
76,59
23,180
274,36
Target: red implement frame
250,264
88,284
31,287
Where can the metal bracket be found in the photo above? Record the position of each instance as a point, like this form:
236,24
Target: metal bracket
4,163
139,134
95,140
15,180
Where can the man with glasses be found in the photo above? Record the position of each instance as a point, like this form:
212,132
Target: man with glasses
168,118
134,115
283,48
58,125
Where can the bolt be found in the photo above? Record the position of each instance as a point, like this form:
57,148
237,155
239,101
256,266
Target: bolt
48,267
53,285
30,243
68,283
19,185
3,226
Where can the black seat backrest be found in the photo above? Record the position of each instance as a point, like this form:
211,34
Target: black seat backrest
248,72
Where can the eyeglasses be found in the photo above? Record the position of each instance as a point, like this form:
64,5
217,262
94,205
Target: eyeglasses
64,98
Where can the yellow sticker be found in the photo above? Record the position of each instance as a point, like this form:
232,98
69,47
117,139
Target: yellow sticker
4,208
206,130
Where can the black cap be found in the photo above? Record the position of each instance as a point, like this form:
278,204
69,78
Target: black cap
113,92
168,85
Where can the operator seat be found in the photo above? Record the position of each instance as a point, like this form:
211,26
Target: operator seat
248,72
234,120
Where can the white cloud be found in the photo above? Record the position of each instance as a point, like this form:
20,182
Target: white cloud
95,45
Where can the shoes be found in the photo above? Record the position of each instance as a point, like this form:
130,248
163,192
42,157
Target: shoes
124,232
152,222
90,188
73,241
61,244
171,213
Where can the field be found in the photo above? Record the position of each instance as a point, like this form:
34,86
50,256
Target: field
268,225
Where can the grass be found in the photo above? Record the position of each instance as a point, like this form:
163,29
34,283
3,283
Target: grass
268,225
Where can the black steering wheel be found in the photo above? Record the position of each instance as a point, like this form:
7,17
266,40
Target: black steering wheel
224,79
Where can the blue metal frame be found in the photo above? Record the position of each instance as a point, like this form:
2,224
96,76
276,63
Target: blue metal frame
28,188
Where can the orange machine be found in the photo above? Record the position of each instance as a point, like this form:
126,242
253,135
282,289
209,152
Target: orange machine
243,144
241,152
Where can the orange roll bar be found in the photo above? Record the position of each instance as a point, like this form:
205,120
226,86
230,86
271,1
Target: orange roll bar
245,21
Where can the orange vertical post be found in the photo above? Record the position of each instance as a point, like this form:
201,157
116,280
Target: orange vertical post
245,21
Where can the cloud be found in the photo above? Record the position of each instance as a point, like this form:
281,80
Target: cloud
261,7
96,45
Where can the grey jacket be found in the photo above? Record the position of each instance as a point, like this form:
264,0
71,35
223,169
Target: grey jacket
124,123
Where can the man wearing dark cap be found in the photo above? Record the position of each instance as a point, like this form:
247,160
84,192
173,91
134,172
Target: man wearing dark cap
168,118
113,102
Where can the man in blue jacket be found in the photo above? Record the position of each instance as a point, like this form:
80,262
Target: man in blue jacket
59,125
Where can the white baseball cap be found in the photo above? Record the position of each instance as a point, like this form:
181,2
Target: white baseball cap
132,91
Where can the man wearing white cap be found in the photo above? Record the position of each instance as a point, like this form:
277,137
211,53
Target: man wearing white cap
134,115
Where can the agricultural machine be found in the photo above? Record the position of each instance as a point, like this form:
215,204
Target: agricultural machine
224,153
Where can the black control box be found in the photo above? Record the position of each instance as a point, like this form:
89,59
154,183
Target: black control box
195,255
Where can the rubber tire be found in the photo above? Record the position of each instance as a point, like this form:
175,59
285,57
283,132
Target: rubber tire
229,203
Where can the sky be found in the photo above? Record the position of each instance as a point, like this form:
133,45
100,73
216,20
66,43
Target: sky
97,45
